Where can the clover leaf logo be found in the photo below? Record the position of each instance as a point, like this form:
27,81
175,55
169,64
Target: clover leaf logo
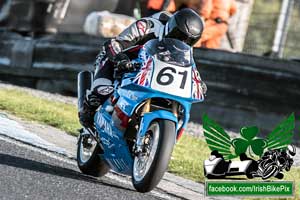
218,140
249,142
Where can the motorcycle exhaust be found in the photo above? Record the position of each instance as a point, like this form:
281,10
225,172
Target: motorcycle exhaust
84,83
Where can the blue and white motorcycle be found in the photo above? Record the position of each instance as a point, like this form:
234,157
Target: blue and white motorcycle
136,129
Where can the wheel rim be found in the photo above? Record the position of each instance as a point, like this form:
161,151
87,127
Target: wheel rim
143,162
87,147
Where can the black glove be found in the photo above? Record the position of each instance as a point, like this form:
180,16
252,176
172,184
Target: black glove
123,62
112,49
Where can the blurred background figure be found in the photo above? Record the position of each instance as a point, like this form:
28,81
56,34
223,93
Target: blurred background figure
154,6
216,14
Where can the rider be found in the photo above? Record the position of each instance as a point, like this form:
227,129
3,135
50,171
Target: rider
185,25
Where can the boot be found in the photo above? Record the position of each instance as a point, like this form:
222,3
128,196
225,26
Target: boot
88,110
102,89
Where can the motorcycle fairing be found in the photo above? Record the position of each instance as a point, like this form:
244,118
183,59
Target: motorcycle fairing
132,95
149,117
116,151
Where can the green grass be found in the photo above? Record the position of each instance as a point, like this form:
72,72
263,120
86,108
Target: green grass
60,115
187,158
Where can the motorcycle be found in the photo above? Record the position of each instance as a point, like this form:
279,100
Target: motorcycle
137,127
273,163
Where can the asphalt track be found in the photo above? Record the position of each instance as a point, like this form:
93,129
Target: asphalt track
26,173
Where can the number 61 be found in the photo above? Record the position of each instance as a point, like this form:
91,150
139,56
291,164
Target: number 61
170,77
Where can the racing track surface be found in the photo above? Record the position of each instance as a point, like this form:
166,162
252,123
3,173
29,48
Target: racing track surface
29,174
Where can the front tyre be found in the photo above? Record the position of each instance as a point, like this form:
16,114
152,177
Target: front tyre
270,171
150,166
88,159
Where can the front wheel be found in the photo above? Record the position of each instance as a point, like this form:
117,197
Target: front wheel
88,159
150,165
270,171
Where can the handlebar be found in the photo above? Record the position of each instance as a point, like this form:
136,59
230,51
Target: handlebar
134,66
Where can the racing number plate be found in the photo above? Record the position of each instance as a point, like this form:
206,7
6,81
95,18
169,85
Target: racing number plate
172,79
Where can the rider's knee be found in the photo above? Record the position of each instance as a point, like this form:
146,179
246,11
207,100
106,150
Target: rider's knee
103,86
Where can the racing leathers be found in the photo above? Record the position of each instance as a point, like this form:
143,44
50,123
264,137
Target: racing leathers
136,34
185,25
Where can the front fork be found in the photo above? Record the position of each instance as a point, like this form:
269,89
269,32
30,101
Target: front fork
141,139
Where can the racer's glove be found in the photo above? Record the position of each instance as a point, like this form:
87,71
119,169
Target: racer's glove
123,63
112,49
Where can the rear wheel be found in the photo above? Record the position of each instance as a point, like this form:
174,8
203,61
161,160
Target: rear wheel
88,159
150,166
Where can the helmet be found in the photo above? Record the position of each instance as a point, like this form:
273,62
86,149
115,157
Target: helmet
185,25
291,150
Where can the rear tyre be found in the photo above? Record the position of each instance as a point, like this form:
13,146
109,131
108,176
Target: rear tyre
88,159
148,170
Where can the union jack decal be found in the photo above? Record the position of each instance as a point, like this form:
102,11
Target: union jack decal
197,88
143,77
